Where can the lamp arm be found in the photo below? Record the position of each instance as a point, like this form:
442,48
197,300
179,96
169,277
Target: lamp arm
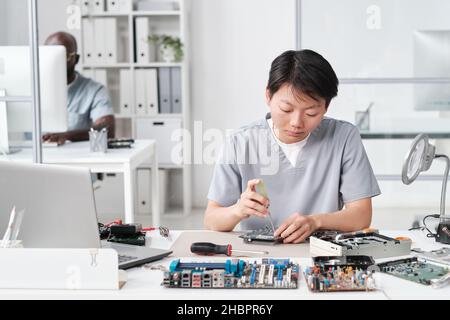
444,183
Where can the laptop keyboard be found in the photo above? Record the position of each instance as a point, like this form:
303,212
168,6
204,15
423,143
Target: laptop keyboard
125,258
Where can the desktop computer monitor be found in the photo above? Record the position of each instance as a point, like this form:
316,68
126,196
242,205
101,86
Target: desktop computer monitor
15,80
432,60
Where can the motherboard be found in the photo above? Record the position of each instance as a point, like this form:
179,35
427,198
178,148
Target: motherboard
233,274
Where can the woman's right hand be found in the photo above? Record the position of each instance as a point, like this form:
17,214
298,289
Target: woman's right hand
251,203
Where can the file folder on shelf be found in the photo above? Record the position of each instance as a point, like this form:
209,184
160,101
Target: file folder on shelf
110,35
86,7
89,55
142,44
165,99
126,96
119,6
98,6
99,41
140,84
151,90
176,90
112,6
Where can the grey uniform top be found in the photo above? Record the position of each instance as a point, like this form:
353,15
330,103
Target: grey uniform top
87,101
331,170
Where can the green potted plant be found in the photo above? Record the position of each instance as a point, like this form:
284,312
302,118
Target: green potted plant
171,48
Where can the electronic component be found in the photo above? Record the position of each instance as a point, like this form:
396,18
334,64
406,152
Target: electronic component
361,262
122,233
371,244
233,274
125,229
137,239
418,270
120,143
264,234
338,278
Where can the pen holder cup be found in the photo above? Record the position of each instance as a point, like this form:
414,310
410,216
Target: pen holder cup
98,141
13,244
362,120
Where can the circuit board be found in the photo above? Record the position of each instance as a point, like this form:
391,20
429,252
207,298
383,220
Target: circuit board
233,274
263,234
370,244
414,269
338,278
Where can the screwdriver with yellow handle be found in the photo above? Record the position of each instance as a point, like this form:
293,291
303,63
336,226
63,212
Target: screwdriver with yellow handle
261,189
208,248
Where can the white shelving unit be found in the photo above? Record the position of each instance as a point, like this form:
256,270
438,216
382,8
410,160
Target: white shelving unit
173,22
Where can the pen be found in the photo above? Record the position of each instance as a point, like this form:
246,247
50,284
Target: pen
8,232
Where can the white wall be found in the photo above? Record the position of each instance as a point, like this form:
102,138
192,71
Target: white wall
233,45
343,33
52,16
14,17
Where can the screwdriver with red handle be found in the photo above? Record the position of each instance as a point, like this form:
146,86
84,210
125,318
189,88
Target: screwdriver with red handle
208,248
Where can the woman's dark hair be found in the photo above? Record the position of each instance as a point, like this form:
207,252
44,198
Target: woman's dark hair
307,72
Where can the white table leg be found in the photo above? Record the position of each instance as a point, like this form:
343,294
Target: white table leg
128,187
156,215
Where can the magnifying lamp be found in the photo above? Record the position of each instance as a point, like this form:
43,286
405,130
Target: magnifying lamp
419,159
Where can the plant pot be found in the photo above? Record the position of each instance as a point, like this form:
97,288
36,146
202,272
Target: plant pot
168,54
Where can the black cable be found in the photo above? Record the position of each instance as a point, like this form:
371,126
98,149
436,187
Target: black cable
429,234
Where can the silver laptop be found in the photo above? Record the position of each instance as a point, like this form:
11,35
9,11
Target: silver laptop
60,210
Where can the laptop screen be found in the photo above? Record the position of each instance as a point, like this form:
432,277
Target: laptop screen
58,202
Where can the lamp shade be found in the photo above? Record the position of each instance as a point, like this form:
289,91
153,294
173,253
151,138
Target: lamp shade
418,159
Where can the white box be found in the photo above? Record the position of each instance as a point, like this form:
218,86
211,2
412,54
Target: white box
72,269
161,130
144,205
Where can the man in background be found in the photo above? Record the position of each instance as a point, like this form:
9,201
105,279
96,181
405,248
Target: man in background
88,102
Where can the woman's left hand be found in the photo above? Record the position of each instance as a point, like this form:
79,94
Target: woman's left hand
296,228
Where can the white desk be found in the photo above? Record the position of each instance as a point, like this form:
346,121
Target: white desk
114,161
146,284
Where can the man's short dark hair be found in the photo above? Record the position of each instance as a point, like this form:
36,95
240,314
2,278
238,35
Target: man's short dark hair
307,72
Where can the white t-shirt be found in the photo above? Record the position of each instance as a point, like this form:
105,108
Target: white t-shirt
291,150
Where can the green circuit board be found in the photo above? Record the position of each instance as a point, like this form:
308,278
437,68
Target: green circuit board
415,270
